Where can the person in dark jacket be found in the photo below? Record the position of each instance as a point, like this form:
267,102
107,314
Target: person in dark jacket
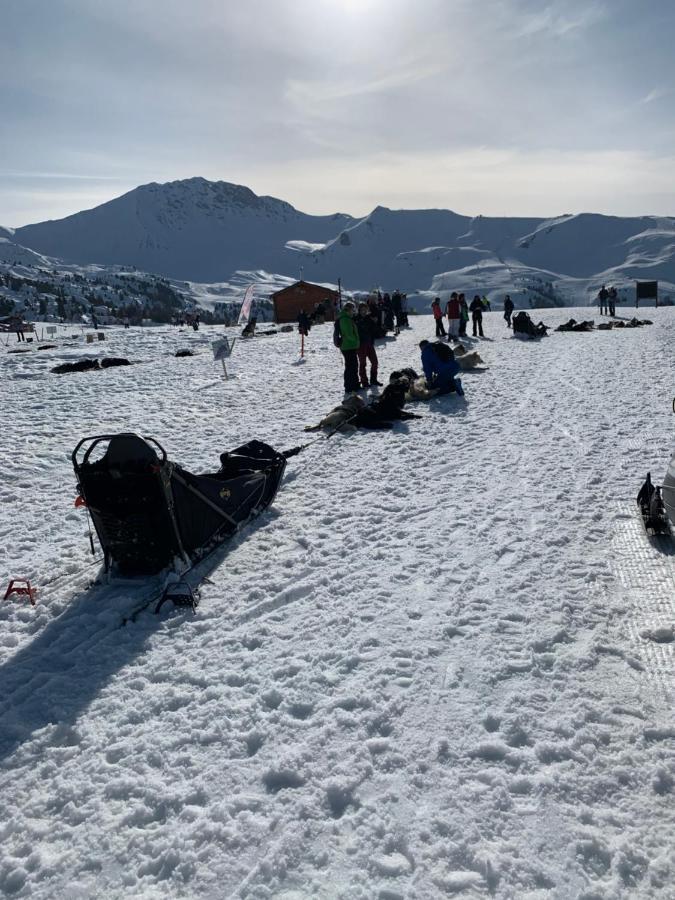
438,316
477,316
508,310
397,309
388,320
304,323
440,373
603,295
367,328
611,301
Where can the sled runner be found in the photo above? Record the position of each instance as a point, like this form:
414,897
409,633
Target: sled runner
652,508
669,490
150,513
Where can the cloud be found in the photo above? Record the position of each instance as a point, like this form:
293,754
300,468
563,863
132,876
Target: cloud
56,176
558,20
656,94
101,95
319,92
480,180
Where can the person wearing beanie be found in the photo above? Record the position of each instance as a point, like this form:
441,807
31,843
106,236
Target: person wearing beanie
346,337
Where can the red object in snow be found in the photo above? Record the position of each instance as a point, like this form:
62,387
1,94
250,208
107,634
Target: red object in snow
21,587
80,501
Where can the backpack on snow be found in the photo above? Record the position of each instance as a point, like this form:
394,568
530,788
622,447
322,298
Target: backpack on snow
337,334
443,351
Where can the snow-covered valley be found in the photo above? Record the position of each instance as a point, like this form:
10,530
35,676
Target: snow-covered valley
441,664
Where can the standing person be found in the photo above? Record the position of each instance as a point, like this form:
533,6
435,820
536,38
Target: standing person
346,337
397,309
452,311
508,310
603,294
477,316
304,323
126,321
388,313
404,310
438,316
611,300
486,304
367,327
463,315
18,325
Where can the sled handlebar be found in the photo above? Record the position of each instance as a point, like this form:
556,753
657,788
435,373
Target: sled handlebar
97,439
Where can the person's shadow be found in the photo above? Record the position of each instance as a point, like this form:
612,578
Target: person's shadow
55,677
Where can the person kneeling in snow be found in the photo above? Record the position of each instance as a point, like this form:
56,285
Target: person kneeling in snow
440,368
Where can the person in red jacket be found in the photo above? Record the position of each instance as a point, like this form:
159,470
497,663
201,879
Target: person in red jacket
438,316
453,312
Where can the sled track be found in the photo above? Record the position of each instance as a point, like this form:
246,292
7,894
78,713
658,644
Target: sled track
645,570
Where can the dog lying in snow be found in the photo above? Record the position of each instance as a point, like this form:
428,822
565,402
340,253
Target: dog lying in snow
415,385
353,413
467,359
340,415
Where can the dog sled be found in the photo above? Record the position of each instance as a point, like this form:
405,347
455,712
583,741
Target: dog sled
669,489
150,513
524,327
650,501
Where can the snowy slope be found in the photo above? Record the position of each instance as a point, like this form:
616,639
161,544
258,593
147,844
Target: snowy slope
426,671
203,231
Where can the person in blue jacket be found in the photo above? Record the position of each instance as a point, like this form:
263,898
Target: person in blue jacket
440,367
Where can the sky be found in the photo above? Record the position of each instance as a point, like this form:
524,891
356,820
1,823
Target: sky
497,107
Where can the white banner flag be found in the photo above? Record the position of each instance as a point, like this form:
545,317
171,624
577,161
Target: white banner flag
245,310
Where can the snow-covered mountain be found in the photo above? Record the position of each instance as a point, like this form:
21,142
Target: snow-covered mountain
203,231
195,230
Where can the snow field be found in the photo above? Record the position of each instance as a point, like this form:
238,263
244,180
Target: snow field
439,665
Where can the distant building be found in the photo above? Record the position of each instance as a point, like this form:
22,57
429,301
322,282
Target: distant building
103,315
303,295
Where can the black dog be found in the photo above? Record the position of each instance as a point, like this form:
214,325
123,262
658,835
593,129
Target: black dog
387,409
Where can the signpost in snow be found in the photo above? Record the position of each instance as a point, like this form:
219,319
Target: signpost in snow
222,350
646,290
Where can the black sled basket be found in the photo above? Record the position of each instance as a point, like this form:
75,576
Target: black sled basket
150,513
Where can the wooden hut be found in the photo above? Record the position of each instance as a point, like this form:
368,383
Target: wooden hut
290,301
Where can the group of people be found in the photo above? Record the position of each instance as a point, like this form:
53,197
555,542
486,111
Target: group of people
457,312
607,298
389,310
17,325
355,333
190,319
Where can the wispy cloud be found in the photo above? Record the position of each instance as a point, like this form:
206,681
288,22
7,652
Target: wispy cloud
556,20
315,93
57,176
656,94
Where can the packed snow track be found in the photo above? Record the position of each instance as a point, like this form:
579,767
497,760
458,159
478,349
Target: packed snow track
440,664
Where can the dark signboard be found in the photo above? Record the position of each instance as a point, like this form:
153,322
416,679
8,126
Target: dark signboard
646,290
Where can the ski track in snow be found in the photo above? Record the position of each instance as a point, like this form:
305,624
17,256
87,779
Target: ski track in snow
439,665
